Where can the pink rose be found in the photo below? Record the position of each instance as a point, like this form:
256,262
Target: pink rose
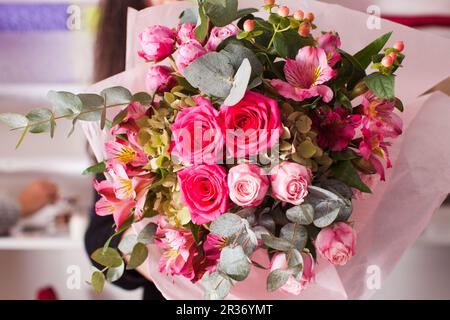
248,185
160,79
197,134
204,191
157,43
218,34
185,33
294,286
187,53
290,182
336,243
252,126
179,249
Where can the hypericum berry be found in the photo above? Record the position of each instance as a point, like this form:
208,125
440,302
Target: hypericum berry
299,15
269,2
393,55
304,29
283,11
310,16
387,61
399,46
249,25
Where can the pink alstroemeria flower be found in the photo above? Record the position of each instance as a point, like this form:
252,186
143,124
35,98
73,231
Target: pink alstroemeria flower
212,247
109,204
306,76
372,148
126,152
337,129
380,117
330,42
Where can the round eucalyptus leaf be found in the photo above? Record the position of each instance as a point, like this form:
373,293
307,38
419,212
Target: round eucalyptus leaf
138,256
338,187
39,115
234,263
226,225
217,286
127,243
98,281
267,222
114,274
240,84
277,243
325,213
296,234
277,279
107,257
303,214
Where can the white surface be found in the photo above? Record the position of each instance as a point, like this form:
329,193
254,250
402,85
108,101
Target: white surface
28,243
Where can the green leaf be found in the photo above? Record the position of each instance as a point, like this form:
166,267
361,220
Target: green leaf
288,43
399,104
344,101
65,103
24,133
146,236
278,278
338,187
127,244
107,258
138,256
52,126
237,53
98,281
96,168
276,243
234,262
226,225
381,85
222,12
302,214
364,56
14,120
201,30
119,117
240,84
296,234
92,104
116,96
217,285
212,73
346,172
325,213
354,73
142,97
346,154
114,274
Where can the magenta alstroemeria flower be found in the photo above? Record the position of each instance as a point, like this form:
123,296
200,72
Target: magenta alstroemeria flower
380,117
372,148
330,42
336,129
306,76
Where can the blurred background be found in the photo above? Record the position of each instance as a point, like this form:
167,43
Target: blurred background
49,45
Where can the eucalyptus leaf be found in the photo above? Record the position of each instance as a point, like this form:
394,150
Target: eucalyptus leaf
278,278
217,286
267,222
325,213
14,120
92,107
226,225
240,83
276,243
234,262
302,214
41,116
237,53
114,274
117,96
222,12
212,73
98,281
296,234
127,243
337,187
146,236
138,256
65,103
107,257
96,168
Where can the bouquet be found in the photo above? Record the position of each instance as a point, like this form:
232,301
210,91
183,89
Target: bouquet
253,134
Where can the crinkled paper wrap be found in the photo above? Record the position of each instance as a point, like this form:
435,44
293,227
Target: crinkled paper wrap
388,221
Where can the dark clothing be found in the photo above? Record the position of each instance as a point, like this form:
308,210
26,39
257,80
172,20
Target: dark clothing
98,232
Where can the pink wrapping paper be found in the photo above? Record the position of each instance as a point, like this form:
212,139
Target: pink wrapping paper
387,222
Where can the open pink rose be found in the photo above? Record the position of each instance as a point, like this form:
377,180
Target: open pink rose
187,53
160,79
294,286
157,43
252,126
218,34
336,243
248,184
290,182
197,134
186,32
204,191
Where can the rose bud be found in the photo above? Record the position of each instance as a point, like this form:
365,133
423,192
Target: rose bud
310,16
249,25
160,79
304,29
336,243
399,46
187,53
283,11
387,61
157,43
299,15
218,34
